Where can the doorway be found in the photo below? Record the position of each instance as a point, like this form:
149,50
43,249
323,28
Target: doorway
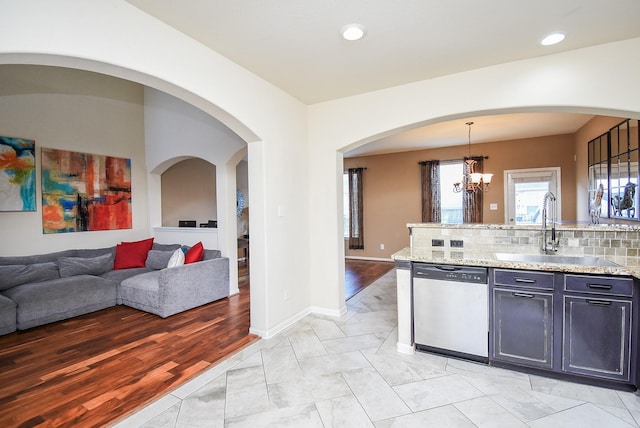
524,192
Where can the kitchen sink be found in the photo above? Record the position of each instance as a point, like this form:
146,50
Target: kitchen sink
555,259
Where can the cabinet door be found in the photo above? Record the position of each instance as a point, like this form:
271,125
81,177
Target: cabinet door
596,337
523,327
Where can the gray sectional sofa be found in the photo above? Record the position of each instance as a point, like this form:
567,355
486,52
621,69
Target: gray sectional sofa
44,288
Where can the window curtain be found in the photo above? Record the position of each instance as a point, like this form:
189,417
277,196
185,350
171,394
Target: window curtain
472,201
430,177
356,223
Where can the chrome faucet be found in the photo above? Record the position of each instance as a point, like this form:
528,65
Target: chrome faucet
549,245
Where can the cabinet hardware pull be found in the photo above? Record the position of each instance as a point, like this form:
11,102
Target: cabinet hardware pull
526,280
599,286
599,302
527,295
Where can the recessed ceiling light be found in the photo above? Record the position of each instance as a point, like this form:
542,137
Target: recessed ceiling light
353,32
552,39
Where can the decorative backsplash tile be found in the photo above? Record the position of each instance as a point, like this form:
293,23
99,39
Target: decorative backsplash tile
616,241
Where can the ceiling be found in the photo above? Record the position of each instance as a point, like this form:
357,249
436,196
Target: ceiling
296,45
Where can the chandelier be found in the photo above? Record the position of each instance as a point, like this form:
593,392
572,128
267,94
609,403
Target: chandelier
472,181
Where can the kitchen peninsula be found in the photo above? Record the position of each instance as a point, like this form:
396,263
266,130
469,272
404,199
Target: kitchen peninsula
572,313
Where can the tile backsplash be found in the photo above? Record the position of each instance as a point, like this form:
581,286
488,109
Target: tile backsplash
605,241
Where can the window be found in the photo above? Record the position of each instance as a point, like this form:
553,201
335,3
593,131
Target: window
524,192
451,203
440,204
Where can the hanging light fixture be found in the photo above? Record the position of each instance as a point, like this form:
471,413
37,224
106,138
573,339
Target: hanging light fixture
472,181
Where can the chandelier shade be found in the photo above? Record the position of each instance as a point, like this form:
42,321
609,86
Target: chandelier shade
472,181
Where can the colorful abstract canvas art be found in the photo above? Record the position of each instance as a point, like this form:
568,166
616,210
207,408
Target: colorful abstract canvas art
17,174
84,192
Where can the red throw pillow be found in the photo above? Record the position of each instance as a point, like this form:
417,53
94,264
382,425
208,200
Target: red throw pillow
132,254
195,254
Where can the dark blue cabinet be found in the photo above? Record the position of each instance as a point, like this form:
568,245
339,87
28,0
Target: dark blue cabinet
523,327
597,326
577,325
522,318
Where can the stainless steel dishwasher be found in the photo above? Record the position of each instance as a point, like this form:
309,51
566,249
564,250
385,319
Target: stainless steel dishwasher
450,310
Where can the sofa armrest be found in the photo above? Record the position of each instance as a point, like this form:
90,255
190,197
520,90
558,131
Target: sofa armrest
187,286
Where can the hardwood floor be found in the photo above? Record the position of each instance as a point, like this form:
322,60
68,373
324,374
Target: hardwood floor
360,273
95,369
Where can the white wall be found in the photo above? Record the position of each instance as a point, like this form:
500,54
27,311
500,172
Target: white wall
577,81
79,111
175,131
115,38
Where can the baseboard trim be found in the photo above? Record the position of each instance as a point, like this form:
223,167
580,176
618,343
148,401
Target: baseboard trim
271,332
405,349
329,312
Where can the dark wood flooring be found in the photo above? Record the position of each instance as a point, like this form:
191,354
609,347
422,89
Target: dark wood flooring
361,273
95,369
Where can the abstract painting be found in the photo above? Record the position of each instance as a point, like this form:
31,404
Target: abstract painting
84,192
17,174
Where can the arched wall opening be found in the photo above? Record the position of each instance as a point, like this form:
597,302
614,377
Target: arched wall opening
392,178
189,193
223,185
576,81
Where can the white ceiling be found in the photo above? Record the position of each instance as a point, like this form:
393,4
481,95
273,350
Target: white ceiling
296,45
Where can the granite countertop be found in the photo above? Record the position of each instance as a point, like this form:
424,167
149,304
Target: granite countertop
489,259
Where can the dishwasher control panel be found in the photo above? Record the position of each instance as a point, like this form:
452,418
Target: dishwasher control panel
472,274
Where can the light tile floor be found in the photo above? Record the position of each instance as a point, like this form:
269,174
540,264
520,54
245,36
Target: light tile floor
329,372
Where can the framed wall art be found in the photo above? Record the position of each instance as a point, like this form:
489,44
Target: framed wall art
17,174
84,192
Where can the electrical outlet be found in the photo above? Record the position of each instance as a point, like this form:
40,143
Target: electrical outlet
437,242
456,243
382,246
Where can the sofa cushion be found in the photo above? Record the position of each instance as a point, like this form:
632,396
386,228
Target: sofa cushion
177,258
13,275
157,259
165,247
211,254
71,266
118,275
7,315
194,254
37,258
57,299
132,254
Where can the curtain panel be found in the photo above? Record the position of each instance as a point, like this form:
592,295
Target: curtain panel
472,201
356,215
431,201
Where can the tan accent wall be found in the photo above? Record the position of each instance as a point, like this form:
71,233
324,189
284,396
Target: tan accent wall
392,185
189,192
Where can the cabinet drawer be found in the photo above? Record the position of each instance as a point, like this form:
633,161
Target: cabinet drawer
607,285
523,278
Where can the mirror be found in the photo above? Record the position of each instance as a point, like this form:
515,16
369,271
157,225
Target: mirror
613,174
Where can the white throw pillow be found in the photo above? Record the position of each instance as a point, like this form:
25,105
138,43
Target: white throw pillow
177,259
